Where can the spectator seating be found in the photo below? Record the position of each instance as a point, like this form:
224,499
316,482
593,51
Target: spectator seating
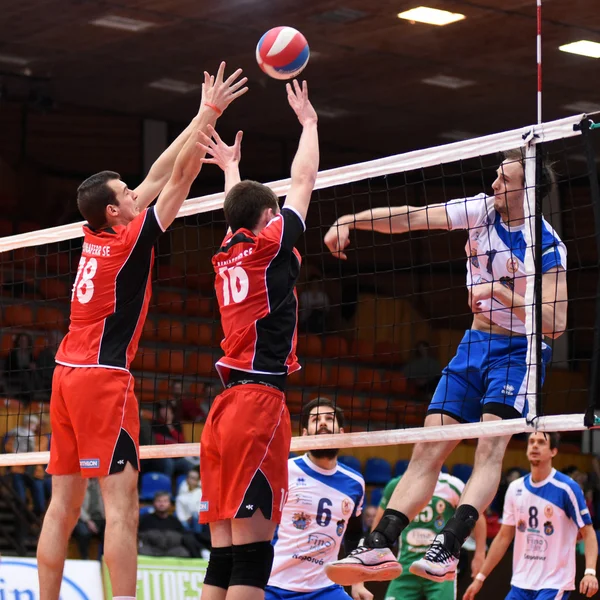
350,461
377,471
462,471
152,483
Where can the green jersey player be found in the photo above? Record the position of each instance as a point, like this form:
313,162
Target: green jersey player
417,537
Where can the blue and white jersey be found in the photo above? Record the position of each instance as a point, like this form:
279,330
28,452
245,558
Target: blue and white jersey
313,523
496,253
547,517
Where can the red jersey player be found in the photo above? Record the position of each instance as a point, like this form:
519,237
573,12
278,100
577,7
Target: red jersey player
93,411
246,440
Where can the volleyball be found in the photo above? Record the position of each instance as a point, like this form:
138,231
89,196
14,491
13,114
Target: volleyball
282,52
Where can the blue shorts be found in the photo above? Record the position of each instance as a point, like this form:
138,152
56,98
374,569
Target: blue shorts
333,592
548,594
487,375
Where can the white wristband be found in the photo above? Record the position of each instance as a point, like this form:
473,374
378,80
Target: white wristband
591,572
480,577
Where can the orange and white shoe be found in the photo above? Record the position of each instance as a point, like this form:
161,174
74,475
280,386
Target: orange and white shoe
364,564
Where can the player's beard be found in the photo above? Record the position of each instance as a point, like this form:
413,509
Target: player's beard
325,453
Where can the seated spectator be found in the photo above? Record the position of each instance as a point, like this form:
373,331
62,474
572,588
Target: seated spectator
161,533
188,499
423,370
27,438
92,521
189,408
20,369
313,307
45,361
367,517
166,431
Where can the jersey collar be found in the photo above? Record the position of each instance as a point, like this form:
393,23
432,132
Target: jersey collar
544,481
316,468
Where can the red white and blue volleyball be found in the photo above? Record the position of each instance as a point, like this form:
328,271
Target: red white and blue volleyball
282,52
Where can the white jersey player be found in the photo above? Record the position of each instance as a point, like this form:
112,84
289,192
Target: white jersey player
543,512
325,500
485,380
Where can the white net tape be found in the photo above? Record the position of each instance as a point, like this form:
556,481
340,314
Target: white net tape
419,159
360,439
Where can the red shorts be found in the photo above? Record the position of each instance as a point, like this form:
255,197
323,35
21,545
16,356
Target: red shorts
95,422
243,454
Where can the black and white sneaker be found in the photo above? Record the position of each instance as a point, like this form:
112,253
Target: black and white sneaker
438,564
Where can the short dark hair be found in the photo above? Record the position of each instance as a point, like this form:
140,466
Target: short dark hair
548,179
160,494
321,401
94,195
553,437
246,202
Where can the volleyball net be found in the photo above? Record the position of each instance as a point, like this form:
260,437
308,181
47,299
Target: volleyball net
375,330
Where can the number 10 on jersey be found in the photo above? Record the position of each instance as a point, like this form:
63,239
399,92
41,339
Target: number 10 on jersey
235,284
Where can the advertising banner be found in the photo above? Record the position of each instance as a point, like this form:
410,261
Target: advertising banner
82,580
166,578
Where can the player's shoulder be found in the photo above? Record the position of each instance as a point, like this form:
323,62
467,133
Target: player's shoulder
549,236
351,473
565,482
517,484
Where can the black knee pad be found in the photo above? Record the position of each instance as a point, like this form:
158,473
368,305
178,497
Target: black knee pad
220,566
252,564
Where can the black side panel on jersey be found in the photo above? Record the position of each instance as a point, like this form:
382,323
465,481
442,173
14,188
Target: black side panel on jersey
130,290
293,228
275,332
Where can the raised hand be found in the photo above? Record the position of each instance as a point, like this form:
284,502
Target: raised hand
220,153
337,239
218,93
298,99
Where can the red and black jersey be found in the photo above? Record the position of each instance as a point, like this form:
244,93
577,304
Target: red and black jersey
110,297
255,285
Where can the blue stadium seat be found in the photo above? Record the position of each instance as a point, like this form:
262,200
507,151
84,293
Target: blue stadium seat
152,483
145,510
400,467
292,455
180,479
377,471
462,471
445,469
350,461
376,496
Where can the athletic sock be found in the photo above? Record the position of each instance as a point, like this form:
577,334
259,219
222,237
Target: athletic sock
388,529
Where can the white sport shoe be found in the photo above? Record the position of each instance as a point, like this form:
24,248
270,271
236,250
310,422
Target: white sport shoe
438,564
364,564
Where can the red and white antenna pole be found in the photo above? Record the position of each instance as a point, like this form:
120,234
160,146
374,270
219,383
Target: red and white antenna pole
539,61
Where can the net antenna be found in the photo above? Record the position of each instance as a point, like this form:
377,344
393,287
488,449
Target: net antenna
539,61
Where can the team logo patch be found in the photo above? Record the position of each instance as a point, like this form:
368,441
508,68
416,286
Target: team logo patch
521,526
439,522
508,282
301,520
548,528
339,529
301,482
474,258
346,506
440,507
204,506
89,463
512,265
548,511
